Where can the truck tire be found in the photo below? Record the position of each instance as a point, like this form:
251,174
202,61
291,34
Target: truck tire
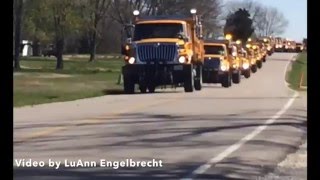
198,78
188,78
143,88
226,80
236,77
128,85
259,64
151,88
254,68
247,73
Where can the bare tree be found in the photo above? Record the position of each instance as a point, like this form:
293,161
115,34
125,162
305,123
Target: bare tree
266,20
121,10
65,21
272,23
94,13
18,9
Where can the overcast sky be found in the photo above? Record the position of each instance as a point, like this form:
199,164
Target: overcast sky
296,13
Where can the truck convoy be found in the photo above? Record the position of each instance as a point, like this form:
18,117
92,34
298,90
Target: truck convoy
161,51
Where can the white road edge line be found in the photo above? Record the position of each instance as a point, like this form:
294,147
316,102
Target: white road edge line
203,168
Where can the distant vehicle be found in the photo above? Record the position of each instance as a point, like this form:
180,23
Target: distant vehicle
279,44
49,51
299,47
290,46
267,41
217,63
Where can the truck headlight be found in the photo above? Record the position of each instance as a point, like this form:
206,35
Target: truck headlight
223,67
182,59
245,65
131,60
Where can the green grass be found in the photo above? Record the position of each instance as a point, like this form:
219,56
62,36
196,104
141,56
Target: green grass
38,82
299,68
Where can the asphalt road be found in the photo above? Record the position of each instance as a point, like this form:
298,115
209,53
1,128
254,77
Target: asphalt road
242,132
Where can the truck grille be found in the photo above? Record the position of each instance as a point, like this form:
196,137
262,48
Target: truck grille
157,52
212,63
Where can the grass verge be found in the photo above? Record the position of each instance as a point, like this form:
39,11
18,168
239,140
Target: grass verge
297,76
38,82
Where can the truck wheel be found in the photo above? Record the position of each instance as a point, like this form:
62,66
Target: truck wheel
236,77
259,64
128,85
188,78
151,88
143,88
198,78
254,68
226,80
247,73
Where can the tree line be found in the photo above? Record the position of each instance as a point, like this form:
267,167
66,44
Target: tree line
95,26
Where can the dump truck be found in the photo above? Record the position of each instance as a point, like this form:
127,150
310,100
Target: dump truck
163,50
217,63
268,44
244,59
278,44
299,47
237,62
252,58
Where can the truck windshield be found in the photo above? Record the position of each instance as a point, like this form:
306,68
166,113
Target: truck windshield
216,50
161,30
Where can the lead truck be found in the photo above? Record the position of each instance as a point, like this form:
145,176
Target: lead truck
161,51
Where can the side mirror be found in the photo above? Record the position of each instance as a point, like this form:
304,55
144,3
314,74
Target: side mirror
183,37
129,28
123,51
129,40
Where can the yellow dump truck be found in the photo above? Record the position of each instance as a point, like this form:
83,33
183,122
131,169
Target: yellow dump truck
217,63
237,62
258,54
299,47
252,58
244,59
164,50
278,44
268,44
291,46
255,54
